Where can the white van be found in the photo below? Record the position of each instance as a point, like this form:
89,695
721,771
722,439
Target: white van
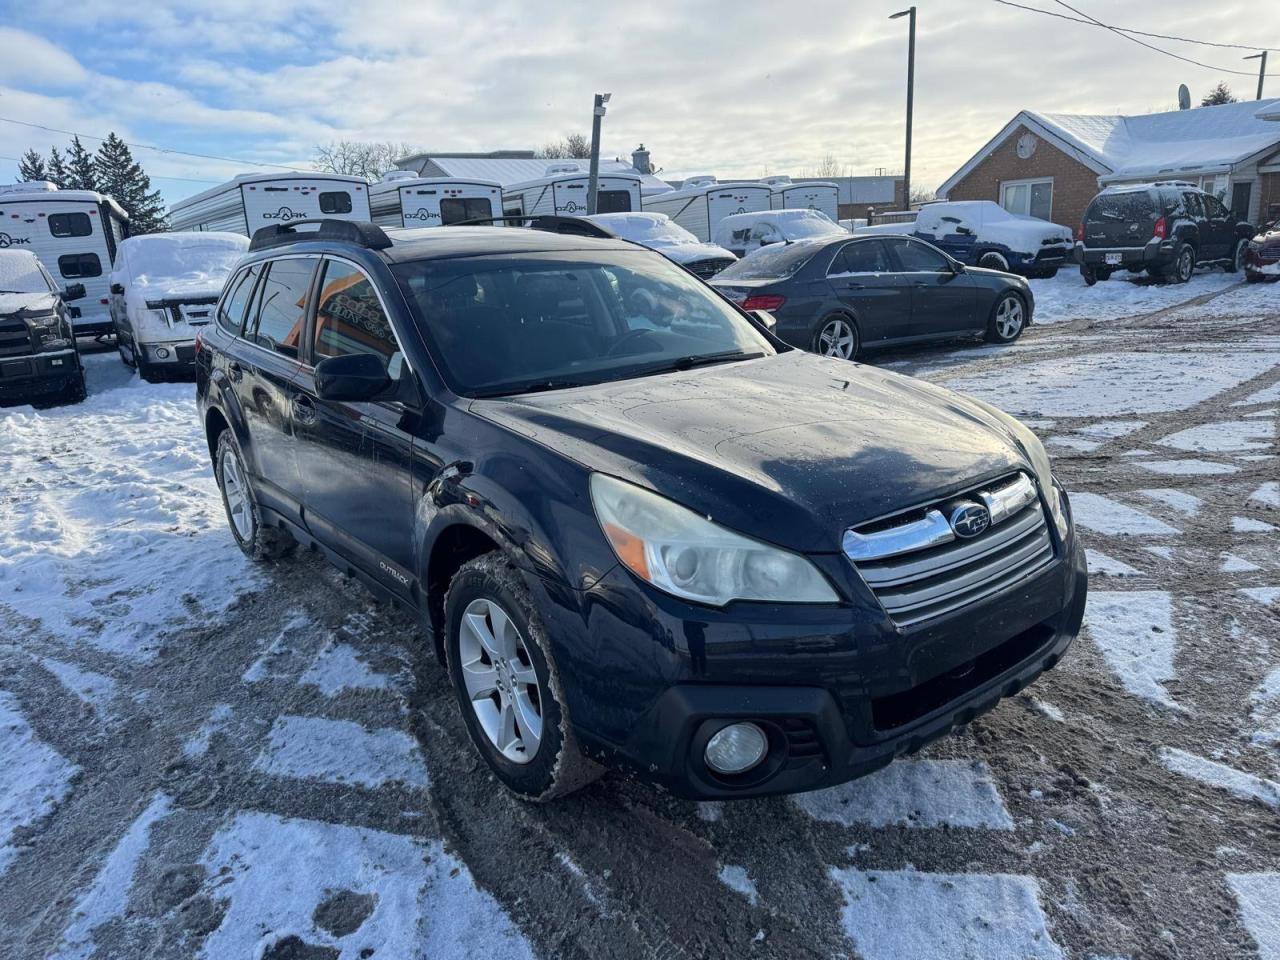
255,200
700,207
563,190
163,290
74,233
403,199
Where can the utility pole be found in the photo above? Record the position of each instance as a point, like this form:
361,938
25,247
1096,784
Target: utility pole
593,184
911,89
1262,70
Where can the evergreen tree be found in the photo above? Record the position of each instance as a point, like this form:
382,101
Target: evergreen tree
1218,95
59,175
82,175
119,176
32,167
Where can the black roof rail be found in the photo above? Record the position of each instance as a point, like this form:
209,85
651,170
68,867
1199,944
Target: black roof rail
359,232
573,226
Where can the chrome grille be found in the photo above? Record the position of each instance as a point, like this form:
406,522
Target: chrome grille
918,569
706,269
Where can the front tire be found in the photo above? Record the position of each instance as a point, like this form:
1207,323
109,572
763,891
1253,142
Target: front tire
1008,319
994,260
837,336
255,540
506,684
1237,260
77,391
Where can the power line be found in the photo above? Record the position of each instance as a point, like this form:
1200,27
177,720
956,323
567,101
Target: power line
147,146
1131,34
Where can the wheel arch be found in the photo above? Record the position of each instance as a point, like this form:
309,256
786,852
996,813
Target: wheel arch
451,547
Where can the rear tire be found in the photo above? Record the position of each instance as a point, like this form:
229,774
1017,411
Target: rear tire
256,541
994,260
1008,319
836,336
1183,266
506,684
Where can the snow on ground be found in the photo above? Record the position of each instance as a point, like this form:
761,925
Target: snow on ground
1231,436
339,667
1135,632
894,915
737,879
1187,504
382,893
1188,468
1267,495
34,778
1267,596
1258,894
1102,565
341,751
115,531
1219,775
1104,515
1112,384
1265,712
92,688
1250,525
1066,297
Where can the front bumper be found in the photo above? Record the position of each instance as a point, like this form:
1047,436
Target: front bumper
175,353
38,374
1265,262
1153,253
839,691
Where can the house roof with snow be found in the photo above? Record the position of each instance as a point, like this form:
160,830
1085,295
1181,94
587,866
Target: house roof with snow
1157,145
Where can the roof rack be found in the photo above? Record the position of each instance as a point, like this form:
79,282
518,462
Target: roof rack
573,226
358,232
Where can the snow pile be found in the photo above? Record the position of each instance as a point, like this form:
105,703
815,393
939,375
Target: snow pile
34,778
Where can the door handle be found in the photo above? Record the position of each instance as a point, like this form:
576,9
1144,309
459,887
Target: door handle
303,409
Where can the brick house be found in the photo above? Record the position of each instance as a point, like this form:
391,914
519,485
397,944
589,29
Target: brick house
1050,165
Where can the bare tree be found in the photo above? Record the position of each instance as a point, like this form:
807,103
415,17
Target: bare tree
920,195
573,147
360,158
829,166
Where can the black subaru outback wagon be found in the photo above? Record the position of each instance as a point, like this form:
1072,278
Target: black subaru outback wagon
1167,229
640,531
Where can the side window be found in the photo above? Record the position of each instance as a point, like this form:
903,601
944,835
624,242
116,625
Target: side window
613,201
1192,202
1214,207
70,225
282,307
337,201
349,318
231,313
73,266
864,256
915,257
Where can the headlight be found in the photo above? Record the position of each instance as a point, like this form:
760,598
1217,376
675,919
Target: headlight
1058,508
687,555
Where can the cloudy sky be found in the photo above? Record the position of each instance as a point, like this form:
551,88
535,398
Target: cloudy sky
730,88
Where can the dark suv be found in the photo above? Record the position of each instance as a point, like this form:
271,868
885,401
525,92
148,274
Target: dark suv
39,361
1167,229
640,531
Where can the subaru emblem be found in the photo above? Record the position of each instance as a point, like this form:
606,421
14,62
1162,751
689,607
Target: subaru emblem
969,519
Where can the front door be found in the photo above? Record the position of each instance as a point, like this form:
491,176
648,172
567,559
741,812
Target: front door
356,459
1220,229
865,278
264,372
943,302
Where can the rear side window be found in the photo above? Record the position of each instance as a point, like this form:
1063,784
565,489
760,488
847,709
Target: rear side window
70,225
337,201
231,313
1121,207
76,265
458,209
613,201
282,306
350,319
865,256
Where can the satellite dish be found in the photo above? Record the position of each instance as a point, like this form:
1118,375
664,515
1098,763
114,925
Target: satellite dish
1184,97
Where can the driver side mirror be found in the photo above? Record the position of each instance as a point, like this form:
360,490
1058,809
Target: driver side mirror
118,289
73,291
351,378
957,267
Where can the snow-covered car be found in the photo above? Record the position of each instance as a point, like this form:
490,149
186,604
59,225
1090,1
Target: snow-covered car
163,289
982,233
38,354
744,232
659,232
1262,255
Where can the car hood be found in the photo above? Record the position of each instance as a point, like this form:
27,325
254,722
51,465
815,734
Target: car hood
792,449
177,289
35,302
690,252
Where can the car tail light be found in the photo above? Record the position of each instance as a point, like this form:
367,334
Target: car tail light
763,302
1161,229
1080,233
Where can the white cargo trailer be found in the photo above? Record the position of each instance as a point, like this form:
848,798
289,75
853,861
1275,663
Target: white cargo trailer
74,233
699,208
402,199
820,195
255,200
563,190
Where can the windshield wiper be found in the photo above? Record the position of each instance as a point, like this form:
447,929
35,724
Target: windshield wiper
698,360
530,386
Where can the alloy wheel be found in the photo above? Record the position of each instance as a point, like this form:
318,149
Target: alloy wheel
502,685
237,494
838,340
1009,317
1186,265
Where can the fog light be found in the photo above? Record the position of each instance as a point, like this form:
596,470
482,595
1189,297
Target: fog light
736,749
162,353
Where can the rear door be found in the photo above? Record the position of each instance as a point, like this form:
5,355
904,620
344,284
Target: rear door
943,302
265,371
356,459
1123,219
866,279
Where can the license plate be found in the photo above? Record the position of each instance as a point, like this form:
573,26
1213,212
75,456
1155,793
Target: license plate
1113,258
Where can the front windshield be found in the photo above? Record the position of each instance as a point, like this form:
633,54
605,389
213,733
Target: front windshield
20,273
153,259
774,262
503,325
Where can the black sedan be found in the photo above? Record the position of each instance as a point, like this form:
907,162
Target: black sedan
841,296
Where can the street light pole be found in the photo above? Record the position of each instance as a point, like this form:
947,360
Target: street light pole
911,89
1262,69
593,182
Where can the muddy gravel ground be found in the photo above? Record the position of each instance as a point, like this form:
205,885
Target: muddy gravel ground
289,777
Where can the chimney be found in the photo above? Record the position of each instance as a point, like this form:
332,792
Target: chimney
640,159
